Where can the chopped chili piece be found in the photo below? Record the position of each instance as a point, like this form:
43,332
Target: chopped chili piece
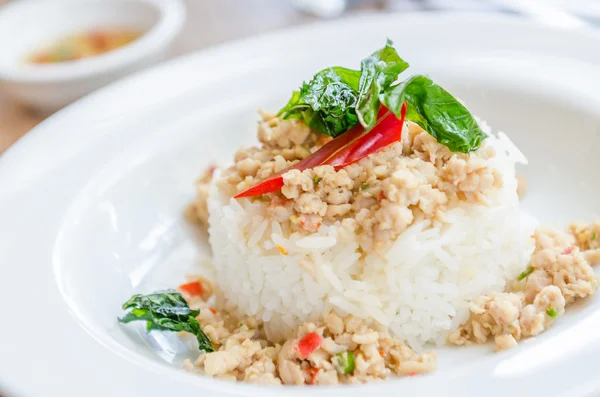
313,375
308,344
212,310
193,288
568,250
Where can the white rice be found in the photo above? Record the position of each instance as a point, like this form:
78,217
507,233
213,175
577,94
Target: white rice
418,289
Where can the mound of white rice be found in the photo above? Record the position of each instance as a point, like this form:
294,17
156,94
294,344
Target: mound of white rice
418,288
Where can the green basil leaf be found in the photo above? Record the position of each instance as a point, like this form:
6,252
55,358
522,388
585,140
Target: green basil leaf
140,315
437,112
338,98
350,77
378,72
294,106
328,102
169,303
204,342
166,311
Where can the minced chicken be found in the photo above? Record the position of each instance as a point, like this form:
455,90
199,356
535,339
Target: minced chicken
243,352
558,273
380,195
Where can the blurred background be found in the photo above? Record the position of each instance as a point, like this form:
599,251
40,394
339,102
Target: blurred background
210,22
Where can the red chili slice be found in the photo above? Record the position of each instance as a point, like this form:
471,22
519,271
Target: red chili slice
193,288
275,182
387,131
308,344
330,151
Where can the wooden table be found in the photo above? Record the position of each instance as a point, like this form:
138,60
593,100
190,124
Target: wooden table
15,121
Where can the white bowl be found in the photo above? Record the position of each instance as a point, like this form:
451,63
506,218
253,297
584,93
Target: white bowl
25,26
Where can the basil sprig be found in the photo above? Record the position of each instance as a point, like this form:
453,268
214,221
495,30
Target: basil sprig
338,98
166,311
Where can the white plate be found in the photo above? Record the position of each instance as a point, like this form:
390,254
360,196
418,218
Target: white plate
91,200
